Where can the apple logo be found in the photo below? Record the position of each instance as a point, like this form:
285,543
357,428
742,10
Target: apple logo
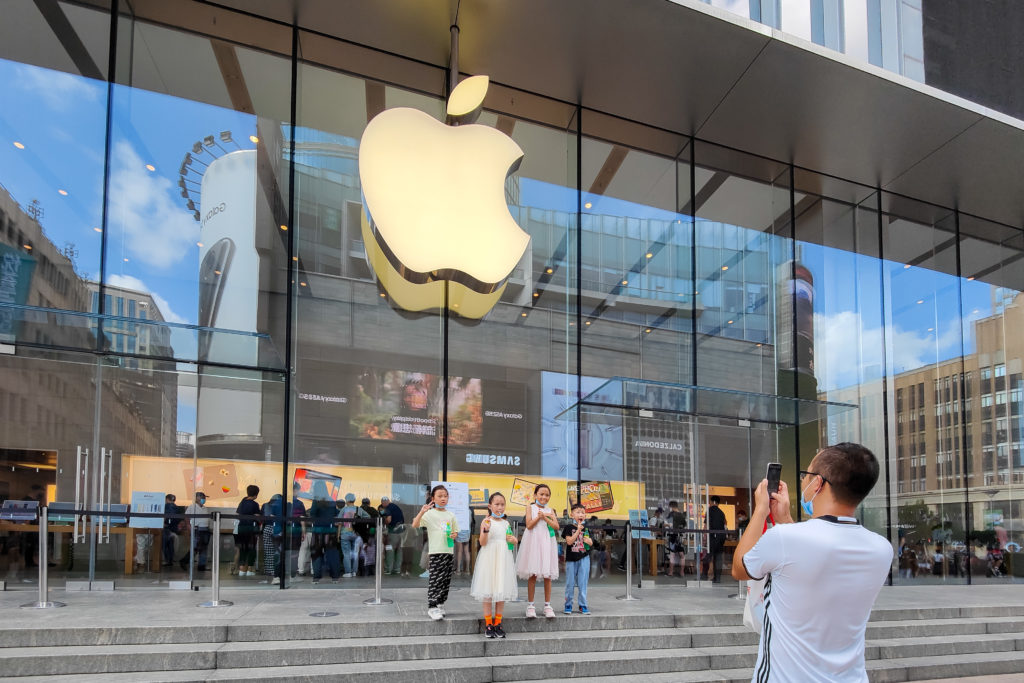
436,228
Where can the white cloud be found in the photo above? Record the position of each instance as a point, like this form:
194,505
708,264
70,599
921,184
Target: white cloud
60,91
130,282
154,228
843,347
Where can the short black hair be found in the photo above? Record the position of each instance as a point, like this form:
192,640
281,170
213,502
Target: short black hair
252,490
578,506
538,487
850,469
715,500
439,487
673,503
496,494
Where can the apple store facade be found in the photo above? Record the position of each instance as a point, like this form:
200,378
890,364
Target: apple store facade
745,241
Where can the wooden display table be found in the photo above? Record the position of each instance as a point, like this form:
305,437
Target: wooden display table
129,533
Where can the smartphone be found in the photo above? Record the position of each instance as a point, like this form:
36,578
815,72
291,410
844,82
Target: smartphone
773,476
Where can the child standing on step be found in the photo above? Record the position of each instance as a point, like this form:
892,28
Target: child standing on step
538,555
577,559
442,529
494,578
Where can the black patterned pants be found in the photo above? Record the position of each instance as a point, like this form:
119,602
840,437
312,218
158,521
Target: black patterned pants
440,578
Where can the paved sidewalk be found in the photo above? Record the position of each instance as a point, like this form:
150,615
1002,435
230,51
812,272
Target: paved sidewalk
180,608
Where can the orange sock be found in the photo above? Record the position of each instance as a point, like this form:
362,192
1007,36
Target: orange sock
488,620
497,619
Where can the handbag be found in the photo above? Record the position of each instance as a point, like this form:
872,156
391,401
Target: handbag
753,608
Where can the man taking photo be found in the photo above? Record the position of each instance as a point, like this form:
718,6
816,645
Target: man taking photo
823,575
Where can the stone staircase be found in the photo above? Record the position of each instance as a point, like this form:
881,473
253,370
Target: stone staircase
902,645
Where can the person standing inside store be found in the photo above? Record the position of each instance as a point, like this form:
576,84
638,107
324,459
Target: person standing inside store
716,540
247,530
394,518
349,555
171,527
201,527
675,546
821,576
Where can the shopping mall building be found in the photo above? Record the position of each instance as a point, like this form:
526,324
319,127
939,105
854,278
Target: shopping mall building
738,232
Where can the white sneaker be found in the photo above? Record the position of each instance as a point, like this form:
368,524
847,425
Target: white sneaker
276,581
435,614
548,612
531,612
443,613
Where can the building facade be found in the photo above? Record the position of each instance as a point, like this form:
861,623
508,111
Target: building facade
754,231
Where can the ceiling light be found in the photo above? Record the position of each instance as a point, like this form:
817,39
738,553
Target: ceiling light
19,145
625,282
62,192
253,139
920,301
383,295
648,330
587,205
730,322
98,229
28,246
126,260
523,314
284,227
216,272
970,278
906,266
536,294
725,267
150,167
296,258
649,255
199,244
587,323
550,270
302,284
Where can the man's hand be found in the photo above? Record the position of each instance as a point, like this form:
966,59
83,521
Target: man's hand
779,505
762,501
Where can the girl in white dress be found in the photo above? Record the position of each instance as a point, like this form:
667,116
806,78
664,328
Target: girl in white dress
494,578
538,555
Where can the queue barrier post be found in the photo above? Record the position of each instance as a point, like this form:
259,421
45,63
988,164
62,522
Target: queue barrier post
629,565
44,601
378,571
515,532
215,536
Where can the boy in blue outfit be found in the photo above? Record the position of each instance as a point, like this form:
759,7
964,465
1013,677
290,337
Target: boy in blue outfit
577,558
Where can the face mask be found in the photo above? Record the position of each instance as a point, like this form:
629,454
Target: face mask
497,516
808,505
202,501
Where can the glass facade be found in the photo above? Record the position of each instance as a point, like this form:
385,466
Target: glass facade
188,305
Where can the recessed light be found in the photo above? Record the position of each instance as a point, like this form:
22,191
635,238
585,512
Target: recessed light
906,266
970,278
587,323
725,267
536,294
648,330
28,246
383,295
98,229
216,272
150,167
296,258
253,139
649,255
730,322
284,227
550,270
303,284
19,145
62,192
625,282
587,205
523,314
920,301
199,244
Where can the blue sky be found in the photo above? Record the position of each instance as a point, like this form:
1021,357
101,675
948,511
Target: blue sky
152,237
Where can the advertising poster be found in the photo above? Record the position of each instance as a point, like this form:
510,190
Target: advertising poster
600,452
625,494
409,406
638,518
147,501
595,496
315,485
458,500
522,492
175,475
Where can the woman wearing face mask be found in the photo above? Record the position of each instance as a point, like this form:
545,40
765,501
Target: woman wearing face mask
494,577
201,526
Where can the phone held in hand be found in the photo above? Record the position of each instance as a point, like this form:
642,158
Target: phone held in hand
773,476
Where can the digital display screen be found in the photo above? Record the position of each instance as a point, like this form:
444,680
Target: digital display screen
313,485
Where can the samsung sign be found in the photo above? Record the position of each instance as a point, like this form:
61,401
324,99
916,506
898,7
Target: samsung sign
488,462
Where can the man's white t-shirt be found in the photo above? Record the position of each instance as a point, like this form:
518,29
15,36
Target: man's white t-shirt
824,577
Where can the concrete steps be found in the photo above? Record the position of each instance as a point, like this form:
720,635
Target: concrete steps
902,645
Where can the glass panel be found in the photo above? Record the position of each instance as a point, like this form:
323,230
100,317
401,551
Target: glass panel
53,126
369,383
925,354
992,388
47,403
